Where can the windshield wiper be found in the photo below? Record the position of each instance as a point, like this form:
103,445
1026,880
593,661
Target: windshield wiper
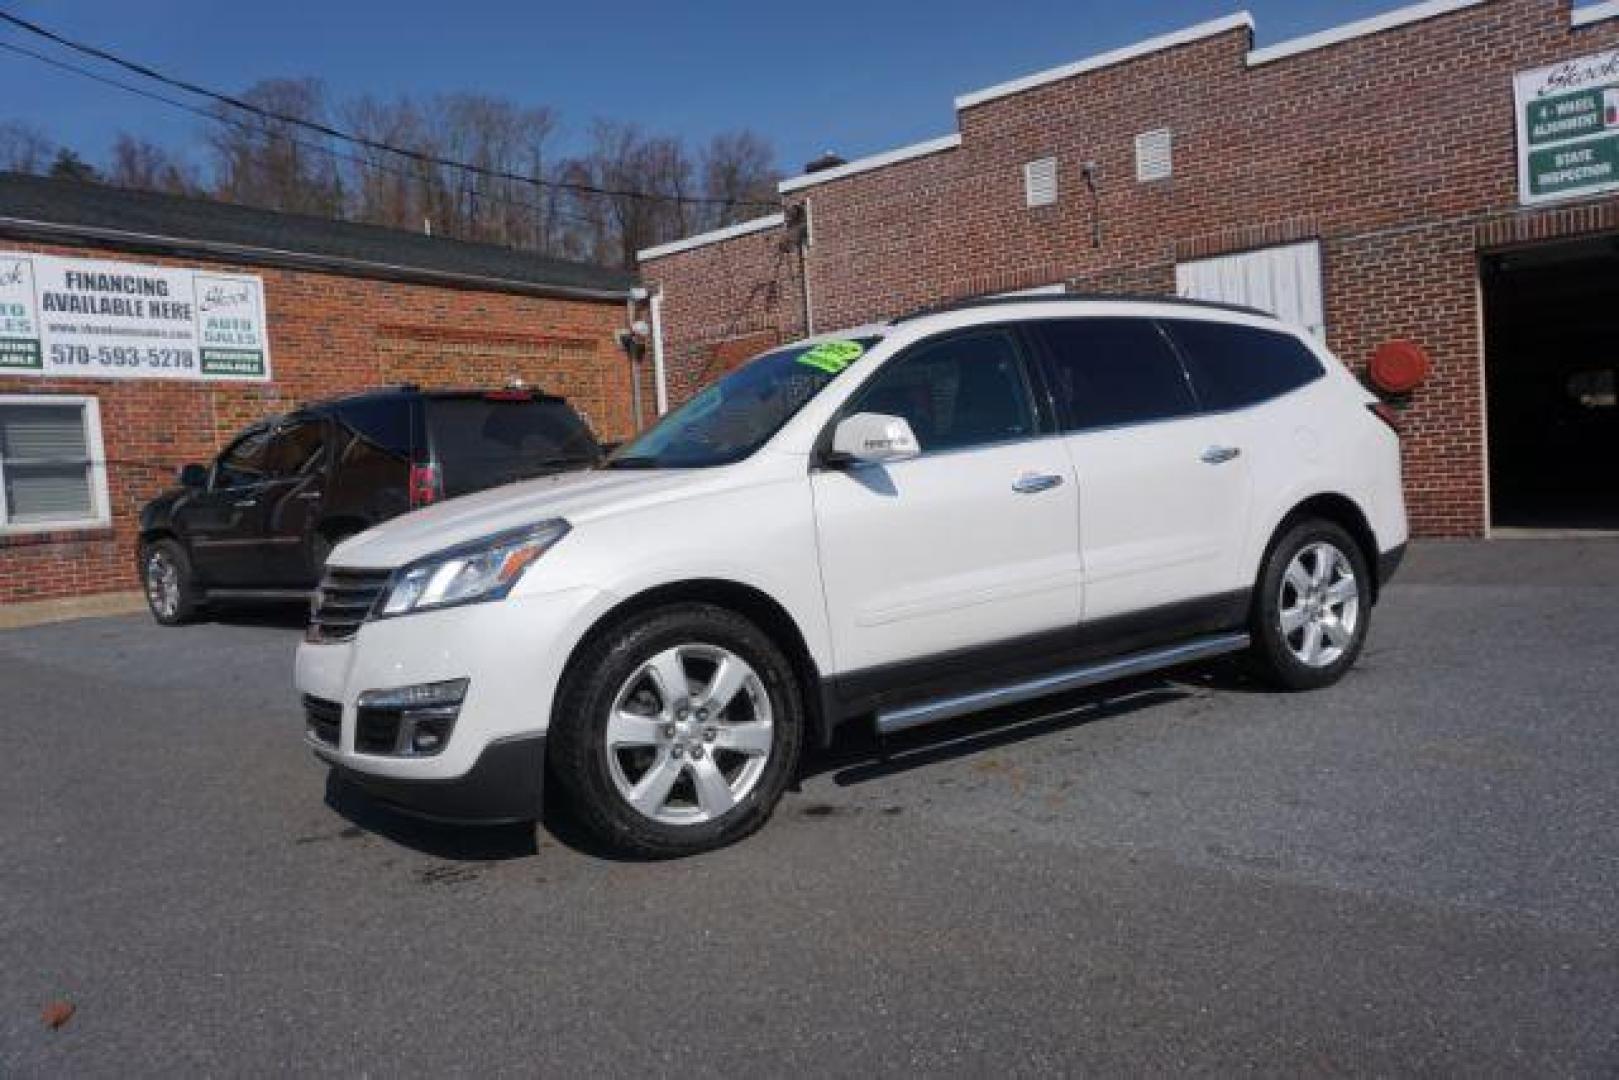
634,461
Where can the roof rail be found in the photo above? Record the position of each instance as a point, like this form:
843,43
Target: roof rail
996,300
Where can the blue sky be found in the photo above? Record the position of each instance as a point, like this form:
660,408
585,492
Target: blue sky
857,76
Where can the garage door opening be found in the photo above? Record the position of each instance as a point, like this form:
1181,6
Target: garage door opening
1552,377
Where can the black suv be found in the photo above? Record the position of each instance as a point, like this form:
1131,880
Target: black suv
259,522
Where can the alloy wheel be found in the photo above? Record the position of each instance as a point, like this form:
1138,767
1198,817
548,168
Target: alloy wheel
689,735
1319,605
162,584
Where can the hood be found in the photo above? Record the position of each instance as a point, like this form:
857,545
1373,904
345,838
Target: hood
576,496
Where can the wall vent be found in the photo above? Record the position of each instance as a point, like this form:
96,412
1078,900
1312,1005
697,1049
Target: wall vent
1040,182
1155,158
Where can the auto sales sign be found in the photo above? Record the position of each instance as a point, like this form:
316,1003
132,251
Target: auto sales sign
89,318
1568,129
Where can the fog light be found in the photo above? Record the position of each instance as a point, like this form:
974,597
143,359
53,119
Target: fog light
408,721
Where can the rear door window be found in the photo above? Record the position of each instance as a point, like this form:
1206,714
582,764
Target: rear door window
480,442
296,447
1109,372
1237,366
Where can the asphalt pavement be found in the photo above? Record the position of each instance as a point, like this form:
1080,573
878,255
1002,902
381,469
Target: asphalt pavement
1415,871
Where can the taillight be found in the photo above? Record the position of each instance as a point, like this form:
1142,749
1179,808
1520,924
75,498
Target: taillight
1386,413
425,487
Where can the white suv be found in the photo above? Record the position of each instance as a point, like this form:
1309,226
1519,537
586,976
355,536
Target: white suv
907,522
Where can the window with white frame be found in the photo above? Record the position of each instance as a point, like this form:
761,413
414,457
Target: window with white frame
53,472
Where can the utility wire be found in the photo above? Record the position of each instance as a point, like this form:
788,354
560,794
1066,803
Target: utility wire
255,129
359,140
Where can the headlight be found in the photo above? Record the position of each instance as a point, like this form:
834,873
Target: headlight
482,570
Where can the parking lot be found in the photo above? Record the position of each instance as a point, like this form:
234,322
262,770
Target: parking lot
1415,871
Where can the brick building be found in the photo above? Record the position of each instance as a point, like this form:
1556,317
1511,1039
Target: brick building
1442,175
98,407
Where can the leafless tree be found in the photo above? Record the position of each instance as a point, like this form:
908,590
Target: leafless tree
272,163
24,148
739,169
142,164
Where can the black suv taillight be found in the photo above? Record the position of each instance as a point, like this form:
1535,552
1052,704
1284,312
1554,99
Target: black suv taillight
1386,413
426,485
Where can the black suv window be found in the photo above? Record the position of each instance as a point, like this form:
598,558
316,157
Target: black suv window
967,389
479,442
243,463
1111,371
295,447
1236,366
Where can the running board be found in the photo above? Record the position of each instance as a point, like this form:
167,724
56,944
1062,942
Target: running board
257,594
1122,667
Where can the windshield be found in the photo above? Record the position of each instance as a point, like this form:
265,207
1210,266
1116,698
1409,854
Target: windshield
731,419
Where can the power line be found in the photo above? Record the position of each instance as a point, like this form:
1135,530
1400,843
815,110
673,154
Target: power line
267,133
359,140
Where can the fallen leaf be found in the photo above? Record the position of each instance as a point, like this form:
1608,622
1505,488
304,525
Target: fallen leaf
57,1013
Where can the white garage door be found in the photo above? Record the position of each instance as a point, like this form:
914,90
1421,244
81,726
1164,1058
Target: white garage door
1285,281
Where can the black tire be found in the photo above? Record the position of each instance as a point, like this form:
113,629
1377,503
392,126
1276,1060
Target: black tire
578,742
1276,651
181,605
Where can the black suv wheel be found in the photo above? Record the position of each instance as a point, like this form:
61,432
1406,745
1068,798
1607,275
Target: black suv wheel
166,578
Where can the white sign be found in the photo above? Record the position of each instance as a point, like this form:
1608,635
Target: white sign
1568,129
88,318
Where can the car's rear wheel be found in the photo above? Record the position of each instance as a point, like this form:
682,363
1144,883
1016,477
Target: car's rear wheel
171,591
1314,606
677,731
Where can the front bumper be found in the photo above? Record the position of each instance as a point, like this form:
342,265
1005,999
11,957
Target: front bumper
506,784
511,653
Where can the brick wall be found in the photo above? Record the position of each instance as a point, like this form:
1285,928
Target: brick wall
1395,150
328,335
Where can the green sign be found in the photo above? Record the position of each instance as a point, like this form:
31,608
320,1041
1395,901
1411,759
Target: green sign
1578,167
23,353
1559,119
833,356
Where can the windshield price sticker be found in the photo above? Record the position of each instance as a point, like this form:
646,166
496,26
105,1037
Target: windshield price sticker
833,357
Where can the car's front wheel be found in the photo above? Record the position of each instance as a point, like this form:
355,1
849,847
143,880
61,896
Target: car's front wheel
1313,608
677,731
166,578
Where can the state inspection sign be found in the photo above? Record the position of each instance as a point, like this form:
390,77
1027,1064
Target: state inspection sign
92,318
1568,129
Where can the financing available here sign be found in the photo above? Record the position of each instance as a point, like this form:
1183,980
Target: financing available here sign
1568,129
90,318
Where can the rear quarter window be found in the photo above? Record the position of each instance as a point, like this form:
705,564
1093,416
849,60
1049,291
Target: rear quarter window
1236,366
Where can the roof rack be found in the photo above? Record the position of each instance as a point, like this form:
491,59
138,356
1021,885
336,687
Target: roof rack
995,300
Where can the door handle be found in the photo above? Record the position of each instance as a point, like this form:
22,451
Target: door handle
1032,483
1219,455
243,504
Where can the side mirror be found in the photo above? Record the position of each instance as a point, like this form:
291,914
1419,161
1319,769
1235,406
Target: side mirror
873,438
194,476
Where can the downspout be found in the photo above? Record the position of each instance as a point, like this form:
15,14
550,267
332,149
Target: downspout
631,352
660,379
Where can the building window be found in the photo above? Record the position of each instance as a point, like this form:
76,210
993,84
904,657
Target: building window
1040,182
1155,155
1285,281
53,472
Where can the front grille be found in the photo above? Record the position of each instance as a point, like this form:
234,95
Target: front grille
343,601
325,719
